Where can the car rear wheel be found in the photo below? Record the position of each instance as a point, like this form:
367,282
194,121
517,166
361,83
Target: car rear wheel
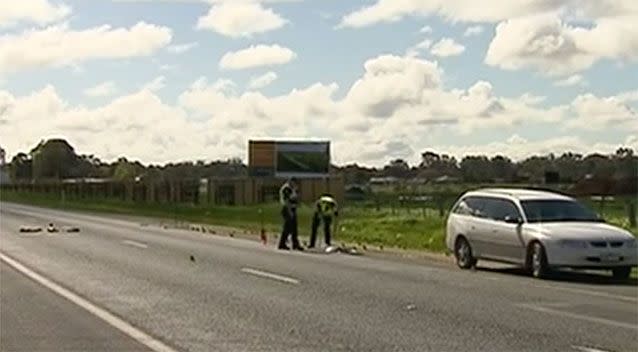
538,261
621,273
463,254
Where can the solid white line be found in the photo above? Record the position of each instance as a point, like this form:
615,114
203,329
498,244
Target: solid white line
135,333
580,317
268,275
588,349
135,244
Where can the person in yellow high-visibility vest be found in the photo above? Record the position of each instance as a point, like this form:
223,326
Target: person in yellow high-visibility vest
326,210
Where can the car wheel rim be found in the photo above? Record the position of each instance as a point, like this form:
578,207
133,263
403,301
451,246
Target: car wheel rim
536,260
464,253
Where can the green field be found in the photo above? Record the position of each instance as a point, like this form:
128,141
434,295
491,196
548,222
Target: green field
388,224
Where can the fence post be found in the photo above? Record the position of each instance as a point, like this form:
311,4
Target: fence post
631,213
440,205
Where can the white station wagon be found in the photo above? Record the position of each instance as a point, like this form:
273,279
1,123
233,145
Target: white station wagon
537,230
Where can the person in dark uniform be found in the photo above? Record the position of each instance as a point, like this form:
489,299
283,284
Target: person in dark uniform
288,198
325,211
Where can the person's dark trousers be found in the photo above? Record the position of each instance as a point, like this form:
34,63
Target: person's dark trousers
289,229
327,222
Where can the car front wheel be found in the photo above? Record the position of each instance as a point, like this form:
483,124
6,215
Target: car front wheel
538,261
621,273
463,254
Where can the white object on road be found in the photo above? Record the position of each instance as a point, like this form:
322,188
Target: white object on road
330,249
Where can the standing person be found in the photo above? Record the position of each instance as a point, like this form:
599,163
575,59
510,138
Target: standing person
288,198
325,211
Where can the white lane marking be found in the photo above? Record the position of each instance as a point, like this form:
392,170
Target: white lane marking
580,316
135,244
590,293
588,349
135,333
268,275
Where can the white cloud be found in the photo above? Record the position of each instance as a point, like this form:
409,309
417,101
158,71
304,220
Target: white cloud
473,30
548,44
262,81
426,29
595,113
573,80
101,90
41,12
240,19
256,56
60,46
453,10
155,85
392,110
519,148
167,67
417,49
447,47
181,48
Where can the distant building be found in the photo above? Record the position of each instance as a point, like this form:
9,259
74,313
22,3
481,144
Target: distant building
3,157
389,180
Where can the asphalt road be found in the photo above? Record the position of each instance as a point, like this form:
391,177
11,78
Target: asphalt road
238,295
36,319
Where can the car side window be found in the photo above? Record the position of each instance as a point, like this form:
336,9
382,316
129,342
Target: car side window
470,206
501,209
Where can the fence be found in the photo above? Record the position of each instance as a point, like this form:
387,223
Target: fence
216,191
417,202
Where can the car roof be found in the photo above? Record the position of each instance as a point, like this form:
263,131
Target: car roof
518,193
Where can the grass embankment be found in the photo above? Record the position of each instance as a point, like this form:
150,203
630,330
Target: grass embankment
419,229
399,227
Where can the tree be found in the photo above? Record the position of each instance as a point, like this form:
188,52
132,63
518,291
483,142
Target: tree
53,158
397,168
124,170
476,168
429,159
502,169
20,168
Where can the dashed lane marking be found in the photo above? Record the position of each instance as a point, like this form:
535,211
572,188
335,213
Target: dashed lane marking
265,274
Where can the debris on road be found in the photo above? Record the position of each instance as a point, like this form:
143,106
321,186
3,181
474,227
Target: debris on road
71,229
410,307
51,228
192,258
30,229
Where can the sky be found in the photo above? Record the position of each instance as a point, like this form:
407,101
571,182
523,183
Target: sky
177,80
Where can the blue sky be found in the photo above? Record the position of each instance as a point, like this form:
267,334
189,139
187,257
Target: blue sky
348,71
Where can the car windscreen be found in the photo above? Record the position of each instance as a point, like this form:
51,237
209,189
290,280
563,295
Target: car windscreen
554,210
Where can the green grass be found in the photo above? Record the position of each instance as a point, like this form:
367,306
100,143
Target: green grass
422,229
389,226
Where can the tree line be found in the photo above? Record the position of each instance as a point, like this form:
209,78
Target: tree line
57,159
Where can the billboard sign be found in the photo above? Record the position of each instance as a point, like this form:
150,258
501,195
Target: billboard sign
289,159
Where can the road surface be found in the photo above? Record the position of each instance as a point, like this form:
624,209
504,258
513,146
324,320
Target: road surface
238,295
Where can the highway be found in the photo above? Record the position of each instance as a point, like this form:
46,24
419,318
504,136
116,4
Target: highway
134,287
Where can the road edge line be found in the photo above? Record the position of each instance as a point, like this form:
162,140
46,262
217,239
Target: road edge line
116,322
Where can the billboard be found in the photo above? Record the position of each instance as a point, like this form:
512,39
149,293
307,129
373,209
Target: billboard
289,159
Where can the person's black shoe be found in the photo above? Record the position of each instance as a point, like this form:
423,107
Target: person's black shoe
284,248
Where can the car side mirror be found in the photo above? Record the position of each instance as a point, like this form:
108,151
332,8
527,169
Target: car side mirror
514,220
